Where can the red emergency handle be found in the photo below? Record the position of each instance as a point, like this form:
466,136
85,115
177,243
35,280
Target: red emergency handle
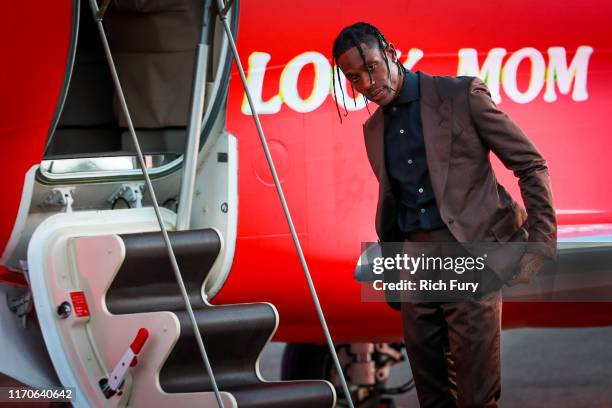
139,341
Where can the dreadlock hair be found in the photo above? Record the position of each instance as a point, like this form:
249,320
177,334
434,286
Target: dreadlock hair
353,36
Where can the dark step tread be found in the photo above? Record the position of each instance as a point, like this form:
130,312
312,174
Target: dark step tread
294,394
284,394
146,281
230,319
233,335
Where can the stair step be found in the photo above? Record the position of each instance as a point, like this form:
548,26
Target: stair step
294,394
282,394
234,337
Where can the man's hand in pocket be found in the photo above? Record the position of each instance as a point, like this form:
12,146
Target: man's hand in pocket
529,267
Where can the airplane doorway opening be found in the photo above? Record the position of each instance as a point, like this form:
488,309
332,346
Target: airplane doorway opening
89,136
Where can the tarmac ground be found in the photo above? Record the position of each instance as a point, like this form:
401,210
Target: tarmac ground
561,368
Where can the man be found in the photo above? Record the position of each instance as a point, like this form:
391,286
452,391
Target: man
428,144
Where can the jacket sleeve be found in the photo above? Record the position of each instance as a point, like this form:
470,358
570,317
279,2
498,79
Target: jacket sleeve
518,154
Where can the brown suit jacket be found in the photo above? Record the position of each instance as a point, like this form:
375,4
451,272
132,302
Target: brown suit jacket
461,125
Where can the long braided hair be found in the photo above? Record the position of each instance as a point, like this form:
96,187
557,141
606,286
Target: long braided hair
353,36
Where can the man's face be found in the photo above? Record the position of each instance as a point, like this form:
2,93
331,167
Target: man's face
382,88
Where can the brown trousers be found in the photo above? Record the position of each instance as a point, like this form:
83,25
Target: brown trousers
454,347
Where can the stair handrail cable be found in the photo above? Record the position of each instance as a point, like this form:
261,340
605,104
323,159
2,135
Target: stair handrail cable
141,161
223,9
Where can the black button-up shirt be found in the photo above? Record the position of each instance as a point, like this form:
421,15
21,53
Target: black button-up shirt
406,160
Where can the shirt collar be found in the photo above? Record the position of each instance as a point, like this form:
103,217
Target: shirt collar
410,89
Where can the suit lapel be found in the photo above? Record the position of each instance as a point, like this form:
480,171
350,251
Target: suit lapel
374,140
436,118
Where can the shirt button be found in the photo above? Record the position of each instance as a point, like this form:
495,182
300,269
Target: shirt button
420,190
409,161
394,109
402,131
422,211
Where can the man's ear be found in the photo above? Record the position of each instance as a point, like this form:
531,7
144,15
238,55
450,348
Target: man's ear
391,52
